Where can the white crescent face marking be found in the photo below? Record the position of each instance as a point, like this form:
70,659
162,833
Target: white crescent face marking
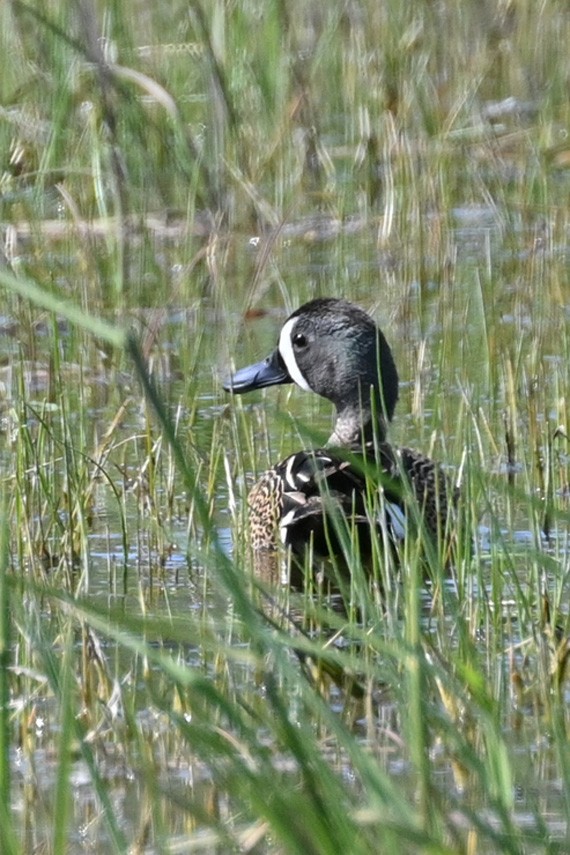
286,351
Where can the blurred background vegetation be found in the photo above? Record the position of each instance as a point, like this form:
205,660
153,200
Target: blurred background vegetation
188,173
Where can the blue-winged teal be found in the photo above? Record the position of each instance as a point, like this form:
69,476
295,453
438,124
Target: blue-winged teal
335,349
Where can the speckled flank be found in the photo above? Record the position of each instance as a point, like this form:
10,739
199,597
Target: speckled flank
265,502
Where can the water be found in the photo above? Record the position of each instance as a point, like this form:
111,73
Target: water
146,545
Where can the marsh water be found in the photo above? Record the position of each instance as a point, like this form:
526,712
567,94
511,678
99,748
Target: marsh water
192,173
145,560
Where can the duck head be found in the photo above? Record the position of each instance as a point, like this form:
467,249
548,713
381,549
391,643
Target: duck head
333,348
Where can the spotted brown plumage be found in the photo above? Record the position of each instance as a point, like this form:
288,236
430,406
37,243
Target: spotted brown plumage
309,499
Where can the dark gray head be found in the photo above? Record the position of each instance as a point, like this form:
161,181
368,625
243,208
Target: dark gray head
335,349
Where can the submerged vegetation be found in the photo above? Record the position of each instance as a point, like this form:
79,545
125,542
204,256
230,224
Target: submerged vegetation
176,178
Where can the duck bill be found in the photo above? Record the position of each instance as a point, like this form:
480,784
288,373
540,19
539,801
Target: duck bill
270,372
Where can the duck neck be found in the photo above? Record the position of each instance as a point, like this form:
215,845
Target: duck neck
356,428
365,408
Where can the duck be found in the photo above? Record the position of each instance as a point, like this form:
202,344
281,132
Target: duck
319,499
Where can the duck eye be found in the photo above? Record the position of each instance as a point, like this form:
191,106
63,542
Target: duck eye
299,340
